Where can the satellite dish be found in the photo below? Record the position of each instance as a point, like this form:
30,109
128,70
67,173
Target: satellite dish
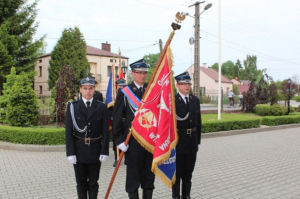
191,40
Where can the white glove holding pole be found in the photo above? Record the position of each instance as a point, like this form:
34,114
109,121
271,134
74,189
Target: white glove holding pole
103,158
123,147
72,159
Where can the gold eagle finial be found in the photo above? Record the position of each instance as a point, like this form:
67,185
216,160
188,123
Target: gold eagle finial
180,16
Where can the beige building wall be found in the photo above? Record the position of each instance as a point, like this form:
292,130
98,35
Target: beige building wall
99,67
41,79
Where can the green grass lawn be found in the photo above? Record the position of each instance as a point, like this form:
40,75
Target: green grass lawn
228,117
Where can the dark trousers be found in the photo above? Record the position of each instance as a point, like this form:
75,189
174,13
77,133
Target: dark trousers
139,170
185,164
87,175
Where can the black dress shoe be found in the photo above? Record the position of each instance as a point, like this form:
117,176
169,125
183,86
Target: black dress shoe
115,163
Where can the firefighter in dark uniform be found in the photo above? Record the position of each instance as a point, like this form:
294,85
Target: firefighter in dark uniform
138,159
97,94
189,135
120,83
87,139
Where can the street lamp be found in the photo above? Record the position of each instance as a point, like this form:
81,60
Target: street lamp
289,81
124,67
196,45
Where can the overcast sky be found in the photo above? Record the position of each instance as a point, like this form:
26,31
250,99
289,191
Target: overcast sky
268,29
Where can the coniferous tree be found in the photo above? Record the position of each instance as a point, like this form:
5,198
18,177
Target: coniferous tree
17,28
11,78
22,107
71,50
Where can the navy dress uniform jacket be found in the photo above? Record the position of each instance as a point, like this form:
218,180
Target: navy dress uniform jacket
97,125
123,109
188,143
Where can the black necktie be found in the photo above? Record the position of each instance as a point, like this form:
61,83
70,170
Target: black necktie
141,89
88,103
187,102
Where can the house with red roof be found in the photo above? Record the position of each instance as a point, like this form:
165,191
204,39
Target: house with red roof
209,81
100,61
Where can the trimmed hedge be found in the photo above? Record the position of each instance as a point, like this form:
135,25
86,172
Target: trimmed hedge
262,109
41,136
280,120
208,127
56,136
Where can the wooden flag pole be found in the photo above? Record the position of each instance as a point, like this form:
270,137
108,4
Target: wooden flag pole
175,27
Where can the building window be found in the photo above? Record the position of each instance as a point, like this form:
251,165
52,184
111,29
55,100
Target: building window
109,70
40,61
202,89
41,89
111,60
40,71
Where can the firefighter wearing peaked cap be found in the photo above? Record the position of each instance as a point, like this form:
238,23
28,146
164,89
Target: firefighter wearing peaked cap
120,83
138,159
189,135
87,139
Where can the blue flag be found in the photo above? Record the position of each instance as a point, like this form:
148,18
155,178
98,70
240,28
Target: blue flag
109,92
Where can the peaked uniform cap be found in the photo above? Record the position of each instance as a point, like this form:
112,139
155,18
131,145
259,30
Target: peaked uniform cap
139,65
183,78
87,81
121,82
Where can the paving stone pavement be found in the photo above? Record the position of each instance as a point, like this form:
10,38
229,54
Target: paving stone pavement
259,165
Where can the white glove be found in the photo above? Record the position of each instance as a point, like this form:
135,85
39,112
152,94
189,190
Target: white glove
103,158
72,159
123,147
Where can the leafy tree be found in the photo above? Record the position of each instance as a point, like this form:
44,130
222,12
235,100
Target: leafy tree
278,84
287,92
215,66
64,91
151,59
250,68
273,96
238,70
22,107
17,28
71,50
229,69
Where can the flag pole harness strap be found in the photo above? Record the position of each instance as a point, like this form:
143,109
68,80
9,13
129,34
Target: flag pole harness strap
74,121
132,99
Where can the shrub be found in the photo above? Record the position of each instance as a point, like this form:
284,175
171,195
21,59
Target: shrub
280,120
27,135
229,125
277,110
262,109
206,99
297,98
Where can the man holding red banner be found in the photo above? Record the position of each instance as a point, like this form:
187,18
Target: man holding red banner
138,159
189,132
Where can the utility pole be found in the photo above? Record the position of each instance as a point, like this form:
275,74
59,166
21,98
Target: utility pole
196,50
160,45
197,46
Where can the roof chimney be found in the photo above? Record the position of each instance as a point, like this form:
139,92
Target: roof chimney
106,46
204,65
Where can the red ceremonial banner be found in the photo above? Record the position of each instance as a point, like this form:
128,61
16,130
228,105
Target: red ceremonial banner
154,125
